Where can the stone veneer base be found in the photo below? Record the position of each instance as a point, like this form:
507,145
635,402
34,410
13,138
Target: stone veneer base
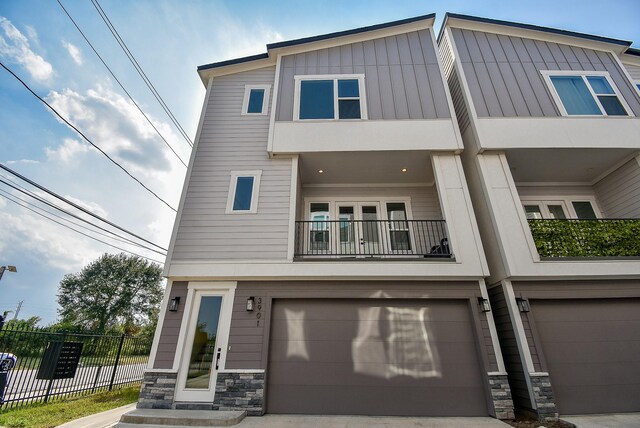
543,396
501,395
157,390
240,390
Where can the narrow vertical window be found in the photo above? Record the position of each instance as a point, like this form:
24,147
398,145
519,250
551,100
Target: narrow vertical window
256,98
243,192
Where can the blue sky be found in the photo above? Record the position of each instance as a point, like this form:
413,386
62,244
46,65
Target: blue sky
169,39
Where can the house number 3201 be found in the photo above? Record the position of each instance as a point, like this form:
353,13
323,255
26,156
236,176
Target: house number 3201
258,313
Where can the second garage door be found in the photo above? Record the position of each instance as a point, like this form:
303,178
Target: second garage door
374,357
592,349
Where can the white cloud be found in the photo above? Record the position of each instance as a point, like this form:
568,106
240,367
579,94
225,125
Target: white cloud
74,52
15,47
113,123
22,161
94,207
68,150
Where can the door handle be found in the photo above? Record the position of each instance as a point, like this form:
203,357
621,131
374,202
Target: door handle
218,357
361,241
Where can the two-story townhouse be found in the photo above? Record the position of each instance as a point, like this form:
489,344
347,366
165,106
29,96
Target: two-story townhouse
325,258
549,120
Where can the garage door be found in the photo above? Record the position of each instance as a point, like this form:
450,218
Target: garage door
373,357
592,349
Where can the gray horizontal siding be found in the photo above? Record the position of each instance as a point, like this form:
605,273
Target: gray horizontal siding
634,71
619,192
503,72
424,200
453,81
402,76
232,142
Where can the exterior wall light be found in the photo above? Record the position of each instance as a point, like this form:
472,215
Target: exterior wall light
523,304
250,303
9,268
484,304
173,304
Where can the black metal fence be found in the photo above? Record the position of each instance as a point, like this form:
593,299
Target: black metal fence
369,238
586,238
51,365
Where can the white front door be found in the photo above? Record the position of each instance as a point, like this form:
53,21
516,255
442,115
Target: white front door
204,340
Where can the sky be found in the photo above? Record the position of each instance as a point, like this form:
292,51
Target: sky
169,39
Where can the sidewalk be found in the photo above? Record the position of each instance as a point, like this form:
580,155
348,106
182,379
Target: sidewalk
100,420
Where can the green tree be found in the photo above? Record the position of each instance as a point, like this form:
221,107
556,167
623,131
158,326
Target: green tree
111,293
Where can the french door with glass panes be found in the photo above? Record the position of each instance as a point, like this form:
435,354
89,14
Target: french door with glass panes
358,228
556,210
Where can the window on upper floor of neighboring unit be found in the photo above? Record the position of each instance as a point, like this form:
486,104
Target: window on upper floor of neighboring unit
256,99
243,192
330,97
586,94
560,209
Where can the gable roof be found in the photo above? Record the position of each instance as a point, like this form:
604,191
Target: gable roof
264,57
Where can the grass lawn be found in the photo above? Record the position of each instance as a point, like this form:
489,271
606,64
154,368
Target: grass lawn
60,411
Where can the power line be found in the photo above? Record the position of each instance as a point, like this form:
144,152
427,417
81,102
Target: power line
84,210
82,233
121,86
111,235
85,137
138,68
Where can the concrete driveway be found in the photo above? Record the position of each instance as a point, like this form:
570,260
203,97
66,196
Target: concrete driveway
620,420
296,421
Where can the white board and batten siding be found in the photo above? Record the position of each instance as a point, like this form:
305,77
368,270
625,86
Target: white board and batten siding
230,141
619,192
402,76
504,79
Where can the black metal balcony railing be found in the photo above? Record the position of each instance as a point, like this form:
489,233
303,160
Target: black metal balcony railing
368,238
586,238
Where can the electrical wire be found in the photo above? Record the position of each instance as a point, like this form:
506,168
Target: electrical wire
111,235
85,137
84,210
82,233
138,68
120,84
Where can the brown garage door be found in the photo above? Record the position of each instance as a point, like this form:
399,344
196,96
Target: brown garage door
373,357
592,349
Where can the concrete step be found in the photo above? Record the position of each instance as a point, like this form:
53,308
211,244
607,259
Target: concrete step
181,418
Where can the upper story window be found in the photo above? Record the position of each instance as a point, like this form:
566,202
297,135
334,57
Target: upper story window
328,97
586,93
256,99
561,209
243,192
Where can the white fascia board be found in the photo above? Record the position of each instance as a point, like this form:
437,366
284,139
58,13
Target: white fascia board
527,33
364,135
354,38
257,64
559,132
324,270
592,268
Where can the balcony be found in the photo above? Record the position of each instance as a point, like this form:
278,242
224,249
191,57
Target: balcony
367,239
571,238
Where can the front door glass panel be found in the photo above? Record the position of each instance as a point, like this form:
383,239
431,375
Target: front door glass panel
203,349
556,212
370,232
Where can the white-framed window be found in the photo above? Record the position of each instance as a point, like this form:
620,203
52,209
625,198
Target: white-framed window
244,189
330,97
586,93
578,207
256,99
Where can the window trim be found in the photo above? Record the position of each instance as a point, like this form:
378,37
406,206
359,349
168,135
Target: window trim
548,74
255,191
336,111
265,100
543,201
